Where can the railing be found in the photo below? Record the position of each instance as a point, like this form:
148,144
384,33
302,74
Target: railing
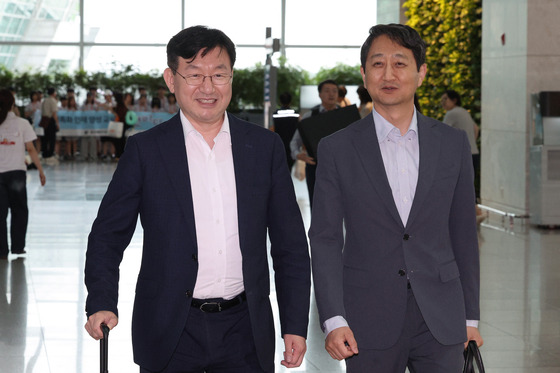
505,215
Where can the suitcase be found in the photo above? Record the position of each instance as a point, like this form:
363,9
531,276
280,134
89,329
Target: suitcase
104,353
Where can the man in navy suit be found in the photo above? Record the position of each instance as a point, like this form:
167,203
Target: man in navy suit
208,187
393,229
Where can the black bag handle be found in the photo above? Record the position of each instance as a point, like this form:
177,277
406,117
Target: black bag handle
104,353
472,356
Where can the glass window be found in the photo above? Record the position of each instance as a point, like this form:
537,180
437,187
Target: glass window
249,57
313,59
244,21
145,59
139,21
312,22
4,22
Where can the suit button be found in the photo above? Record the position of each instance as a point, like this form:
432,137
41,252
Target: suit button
402,272
194,257
406,237
189,293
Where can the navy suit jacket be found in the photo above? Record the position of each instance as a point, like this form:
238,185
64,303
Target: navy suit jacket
361,273
152,181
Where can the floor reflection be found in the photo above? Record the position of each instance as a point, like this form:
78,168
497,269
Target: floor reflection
42,295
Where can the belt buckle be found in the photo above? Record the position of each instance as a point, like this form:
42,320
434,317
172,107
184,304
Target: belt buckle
212,304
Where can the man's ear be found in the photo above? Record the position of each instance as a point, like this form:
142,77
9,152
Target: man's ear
169,78
422,74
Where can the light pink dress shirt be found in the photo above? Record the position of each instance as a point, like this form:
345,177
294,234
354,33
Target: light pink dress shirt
214,197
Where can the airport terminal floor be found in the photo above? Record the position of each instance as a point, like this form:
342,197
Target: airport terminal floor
42,293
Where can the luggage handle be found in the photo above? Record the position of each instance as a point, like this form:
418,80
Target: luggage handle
104,353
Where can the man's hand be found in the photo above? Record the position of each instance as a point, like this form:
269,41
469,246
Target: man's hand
303,156
340,343
294,350
93,325
473,335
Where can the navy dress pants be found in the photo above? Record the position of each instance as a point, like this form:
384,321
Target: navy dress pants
220,342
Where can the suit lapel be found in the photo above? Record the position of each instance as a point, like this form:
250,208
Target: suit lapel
244,159
174,155
367,146
429,148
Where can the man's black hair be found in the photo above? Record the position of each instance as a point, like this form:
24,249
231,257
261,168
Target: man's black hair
190,41
328,81
454,96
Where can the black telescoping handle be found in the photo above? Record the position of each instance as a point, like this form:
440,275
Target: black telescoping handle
104,365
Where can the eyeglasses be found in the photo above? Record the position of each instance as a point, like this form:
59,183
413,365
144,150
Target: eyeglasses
198,79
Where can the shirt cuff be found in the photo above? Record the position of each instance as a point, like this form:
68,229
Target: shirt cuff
473,323
334,323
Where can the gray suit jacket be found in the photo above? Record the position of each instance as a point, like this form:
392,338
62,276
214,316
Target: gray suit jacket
360,272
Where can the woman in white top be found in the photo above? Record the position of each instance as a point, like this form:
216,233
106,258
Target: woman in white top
16,135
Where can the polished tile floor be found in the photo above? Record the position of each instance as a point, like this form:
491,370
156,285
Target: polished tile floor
42,294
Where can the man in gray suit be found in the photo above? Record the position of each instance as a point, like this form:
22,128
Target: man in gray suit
393,230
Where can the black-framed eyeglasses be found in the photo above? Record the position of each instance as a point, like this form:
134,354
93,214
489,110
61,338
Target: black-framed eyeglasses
198,79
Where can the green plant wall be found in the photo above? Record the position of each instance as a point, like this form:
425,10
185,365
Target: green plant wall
452,30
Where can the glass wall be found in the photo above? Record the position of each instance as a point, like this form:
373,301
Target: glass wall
50,34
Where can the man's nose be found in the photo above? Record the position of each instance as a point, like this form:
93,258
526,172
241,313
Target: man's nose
388,72
207,85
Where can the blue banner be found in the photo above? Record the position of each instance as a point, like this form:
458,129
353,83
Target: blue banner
95,123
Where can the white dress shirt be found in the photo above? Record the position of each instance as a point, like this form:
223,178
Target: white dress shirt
214,197
401,158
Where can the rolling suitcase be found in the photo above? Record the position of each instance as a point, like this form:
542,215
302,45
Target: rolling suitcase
104,353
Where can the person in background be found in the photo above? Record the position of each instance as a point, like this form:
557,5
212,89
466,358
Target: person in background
16,136
128,100
285,99
328,93
58,143
142,104
120,111
343,101
458,117
30,111
49,108
63,103
89,145
109,103
366,104
162,96
93,93
393,235
284,123
108,147
70,93
142,91
156,105
129,104
71,147
90,102
33,106
15,109
172,107
209,189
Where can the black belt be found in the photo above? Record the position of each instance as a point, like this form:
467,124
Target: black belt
210,305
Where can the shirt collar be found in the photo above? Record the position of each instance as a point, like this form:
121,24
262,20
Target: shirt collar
188,127
383,127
